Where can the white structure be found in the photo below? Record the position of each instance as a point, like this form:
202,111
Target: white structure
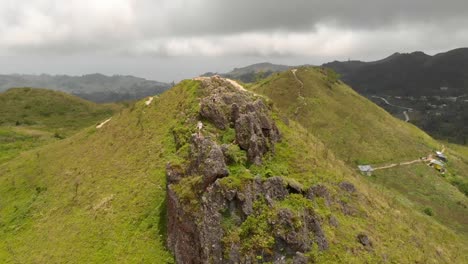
366,169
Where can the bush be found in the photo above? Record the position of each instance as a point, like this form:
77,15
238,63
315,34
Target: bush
235,155
428,211
57,135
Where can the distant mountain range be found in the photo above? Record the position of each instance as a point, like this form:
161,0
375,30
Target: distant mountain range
408,74
252,72
434,89
93,87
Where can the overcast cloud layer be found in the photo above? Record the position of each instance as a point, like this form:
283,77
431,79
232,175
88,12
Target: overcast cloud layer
158,38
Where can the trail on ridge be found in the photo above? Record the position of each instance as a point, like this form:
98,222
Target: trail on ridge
299,95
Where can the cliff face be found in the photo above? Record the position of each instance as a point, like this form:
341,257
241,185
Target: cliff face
217,217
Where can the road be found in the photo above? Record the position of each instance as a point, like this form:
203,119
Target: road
406,116
405,112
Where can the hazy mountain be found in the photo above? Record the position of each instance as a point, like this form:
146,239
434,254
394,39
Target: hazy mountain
408,74
252,72
432,90
94,87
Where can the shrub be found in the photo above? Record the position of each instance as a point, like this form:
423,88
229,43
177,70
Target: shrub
428,211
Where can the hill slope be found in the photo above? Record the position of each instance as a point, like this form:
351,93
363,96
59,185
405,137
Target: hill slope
32,117
359,132
93,87
240,178
433,88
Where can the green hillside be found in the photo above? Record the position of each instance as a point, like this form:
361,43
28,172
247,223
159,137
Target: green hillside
100,196
359,132
31,117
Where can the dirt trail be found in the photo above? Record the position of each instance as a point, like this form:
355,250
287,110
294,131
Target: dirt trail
236,84
148,102
299,81
103,123
232,82
299,93
398,164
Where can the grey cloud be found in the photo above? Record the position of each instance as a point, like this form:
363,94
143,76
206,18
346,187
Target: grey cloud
163,32
221,17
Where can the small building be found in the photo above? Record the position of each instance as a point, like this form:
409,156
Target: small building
366,169
444,88
441,156
438,165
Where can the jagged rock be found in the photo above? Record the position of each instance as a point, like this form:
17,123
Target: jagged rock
275,188
293,231
300,258
227,106
296,238
318,191
183,235
207,159
364,240
196,228
346,208
211,230
313,224
174,173
212,109
294,187
333,221
256,132
347,186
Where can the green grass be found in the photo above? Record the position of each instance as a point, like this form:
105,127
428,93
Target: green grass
14,140
359,132
31,117
354,128
99,196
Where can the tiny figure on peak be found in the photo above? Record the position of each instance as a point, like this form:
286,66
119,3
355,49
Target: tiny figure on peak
199,128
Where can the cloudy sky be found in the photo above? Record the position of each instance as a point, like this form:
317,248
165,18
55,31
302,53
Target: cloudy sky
173,39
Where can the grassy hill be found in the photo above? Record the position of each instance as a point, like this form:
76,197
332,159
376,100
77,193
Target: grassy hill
33,117
99,196
435,87
94,87
359,132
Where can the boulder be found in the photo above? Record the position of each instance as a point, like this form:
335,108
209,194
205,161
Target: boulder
364,240
207,159
347,186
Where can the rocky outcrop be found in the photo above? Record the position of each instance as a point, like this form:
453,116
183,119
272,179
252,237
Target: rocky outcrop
364,240
319,191
347,186
197,237
203,211
207,159
227,106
